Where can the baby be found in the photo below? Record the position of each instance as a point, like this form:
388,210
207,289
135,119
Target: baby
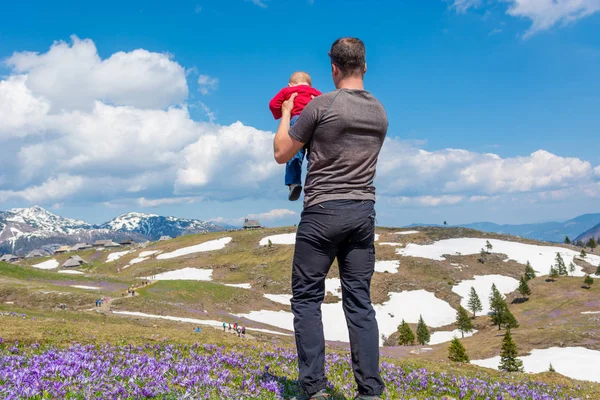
301,83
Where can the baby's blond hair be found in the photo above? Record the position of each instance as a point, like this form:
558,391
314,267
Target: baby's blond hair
300,77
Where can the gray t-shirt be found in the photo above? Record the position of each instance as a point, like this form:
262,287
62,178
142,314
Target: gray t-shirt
345,130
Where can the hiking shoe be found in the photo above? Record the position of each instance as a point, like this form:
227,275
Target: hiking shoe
295,192
320,395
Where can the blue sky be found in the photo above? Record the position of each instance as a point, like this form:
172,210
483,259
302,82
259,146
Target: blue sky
162,106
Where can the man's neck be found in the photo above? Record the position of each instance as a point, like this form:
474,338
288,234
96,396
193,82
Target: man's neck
351,83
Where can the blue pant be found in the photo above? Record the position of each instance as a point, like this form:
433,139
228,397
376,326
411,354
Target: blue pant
293,168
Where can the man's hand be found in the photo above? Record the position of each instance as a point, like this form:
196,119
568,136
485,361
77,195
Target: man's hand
288,105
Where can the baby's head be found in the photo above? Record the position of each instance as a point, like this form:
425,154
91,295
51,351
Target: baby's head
300,78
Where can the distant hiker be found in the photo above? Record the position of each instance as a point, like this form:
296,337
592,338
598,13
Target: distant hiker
229,327
244,331
300,84
345,130
224,326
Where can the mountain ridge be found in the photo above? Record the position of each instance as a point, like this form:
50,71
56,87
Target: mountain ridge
26,229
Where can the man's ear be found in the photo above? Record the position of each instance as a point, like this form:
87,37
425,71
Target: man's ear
334,70
365,71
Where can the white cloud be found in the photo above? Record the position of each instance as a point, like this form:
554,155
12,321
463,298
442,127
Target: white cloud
207,84
53,189
234,160
542,13
21,112
143,202
73,76
259,3
425,201
275,214
462,6
546,13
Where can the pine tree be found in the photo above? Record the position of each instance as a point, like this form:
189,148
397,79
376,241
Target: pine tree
407,337
508,356
592,243
553,273
571,268
598,271
582,254
497,306
482,255
457,352
588,281
475,303
560,265
488,246
508,319
423,335
523,289
567,240
579,243
463,321
551,369
529,271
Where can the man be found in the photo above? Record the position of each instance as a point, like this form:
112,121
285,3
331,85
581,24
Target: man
345,129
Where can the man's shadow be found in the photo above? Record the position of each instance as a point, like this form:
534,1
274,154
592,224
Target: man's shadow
290,387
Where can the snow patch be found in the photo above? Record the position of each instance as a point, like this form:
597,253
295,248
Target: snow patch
574,362
390,244
192,321
404,305
286,238
239,285
85,287
376,237
185,274
406,233
279,298
144,254
446,336
483,287
71,272
591,312
49,264
540,257
115,256
387,266
199,248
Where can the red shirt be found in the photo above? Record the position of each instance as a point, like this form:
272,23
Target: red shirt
304,97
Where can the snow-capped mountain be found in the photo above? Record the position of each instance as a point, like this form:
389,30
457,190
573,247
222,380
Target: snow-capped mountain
26,229
154,226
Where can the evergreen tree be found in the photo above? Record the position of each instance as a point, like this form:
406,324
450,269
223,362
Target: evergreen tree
571,268
579,243
407,337
488,246
588,281
463,321
553,273
560,265
423,335
567,240
445,223
551,369
582,254
592,243
475,303
598,271
508,319
497,306
482,255
529,271
523,289
508,355
457,352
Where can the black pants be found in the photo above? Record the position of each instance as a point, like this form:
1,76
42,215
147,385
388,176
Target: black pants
344,229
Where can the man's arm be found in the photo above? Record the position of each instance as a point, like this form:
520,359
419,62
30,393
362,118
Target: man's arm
284,146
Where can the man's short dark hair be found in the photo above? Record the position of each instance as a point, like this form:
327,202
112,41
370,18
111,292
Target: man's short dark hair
348,54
